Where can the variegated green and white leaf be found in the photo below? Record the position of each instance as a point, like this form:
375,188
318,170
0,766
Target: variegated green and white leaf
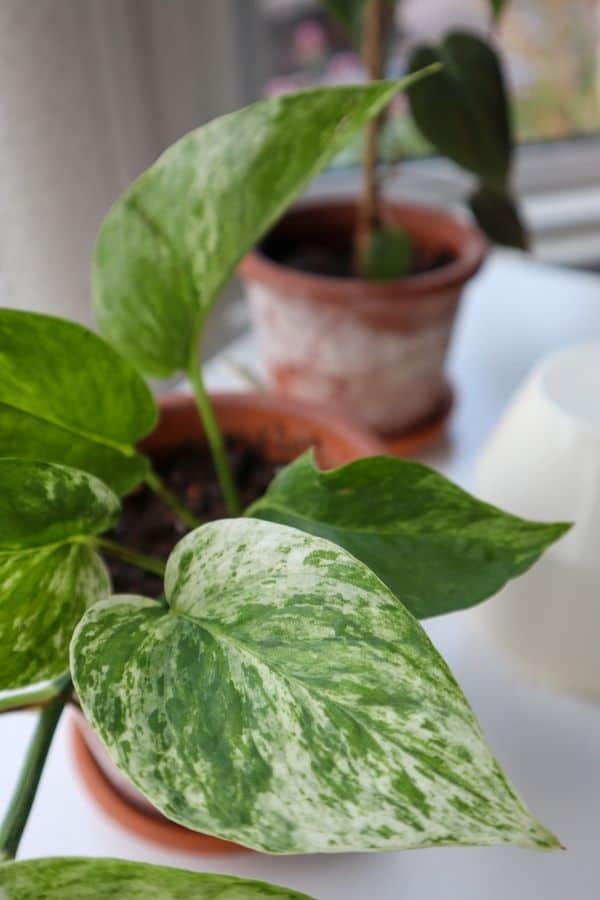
67,397
283,698
48,574
169,245
116,879
438,548
43,504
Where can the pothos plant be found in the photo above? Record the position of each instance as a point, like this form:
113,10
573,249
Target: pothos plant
463,111
280,692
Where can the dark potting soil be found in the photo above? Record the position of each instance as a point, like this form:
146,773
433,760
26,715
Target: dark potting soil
149,526
335,259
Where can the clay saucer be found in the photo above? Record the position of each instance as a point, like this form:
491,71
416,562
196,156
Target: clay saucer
151,826
426,432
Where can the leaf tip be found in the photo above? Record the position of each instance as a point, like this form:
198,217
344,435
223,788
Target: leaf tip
556,530
536,836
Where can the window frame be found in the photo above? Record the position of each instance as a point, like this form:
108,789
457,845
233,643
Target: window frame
557,182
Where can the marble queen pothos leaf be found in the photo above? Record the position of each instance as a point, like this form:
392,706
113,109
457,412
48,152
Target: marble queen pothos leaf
436,547
48,574
67,397
169,245
283,698
79,878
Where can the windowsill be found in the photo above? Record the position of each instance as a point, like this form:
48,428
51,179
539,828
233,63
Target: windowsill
557,184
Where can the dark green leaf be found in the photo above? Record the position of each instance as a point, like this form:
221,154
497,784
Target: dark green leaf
48,575
463,109
435,546
389,255
67,397
498,216
116,879
170,244
284,699
349,13
497,7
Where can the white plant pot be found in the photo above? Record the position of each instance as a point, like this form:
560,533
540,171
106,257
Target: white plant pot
543,462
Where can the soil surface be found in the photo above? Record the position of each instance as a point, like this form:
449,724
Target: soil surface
147,525
335,258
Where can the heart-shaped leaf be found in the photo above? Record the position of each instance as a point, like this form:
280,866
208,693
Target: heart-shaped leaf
283,698
435,546
116,879
170,244
463,109
48,574
498,216
67,397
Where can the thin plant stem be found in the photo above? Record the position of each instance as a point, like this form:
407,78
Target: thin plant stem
214,438
141,560
17,814
245,373
36,697
154,481
367,219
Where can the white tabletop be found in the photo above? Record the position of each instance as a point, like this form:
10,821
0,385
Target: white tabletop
514,312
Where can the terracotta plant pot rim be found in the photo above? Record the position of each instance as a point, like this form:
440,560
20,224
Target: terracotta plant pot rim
467,244
154,828
363,441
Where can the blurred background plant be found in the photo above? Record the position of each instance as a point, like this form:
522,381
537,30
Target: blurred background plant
549,50
93,92
464,113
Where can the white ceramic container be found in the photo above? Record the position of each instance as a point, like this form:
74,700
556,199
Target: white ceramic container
543,462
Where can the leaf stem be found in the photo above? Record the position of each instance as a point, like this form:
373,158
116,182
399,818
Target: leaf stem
34,697
154,481
17,814
141,560
367,219
214,438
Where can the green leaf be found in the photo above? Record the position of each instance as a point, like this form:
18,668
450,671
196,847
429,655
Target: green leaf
67,397
169,245
497,7
389,255
284,699
116,879
463,109
350,14
498,216
435,546
48,575
44,504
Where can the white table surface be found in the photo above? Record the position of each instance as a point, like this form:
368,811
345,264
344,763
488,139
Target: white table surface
515,311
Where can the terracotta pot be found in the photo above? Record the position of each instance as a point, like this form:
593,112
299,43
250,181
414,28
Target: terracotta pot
374,349
283,429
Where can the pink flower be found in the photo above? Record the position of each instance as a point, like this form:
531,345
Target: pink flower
310,41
